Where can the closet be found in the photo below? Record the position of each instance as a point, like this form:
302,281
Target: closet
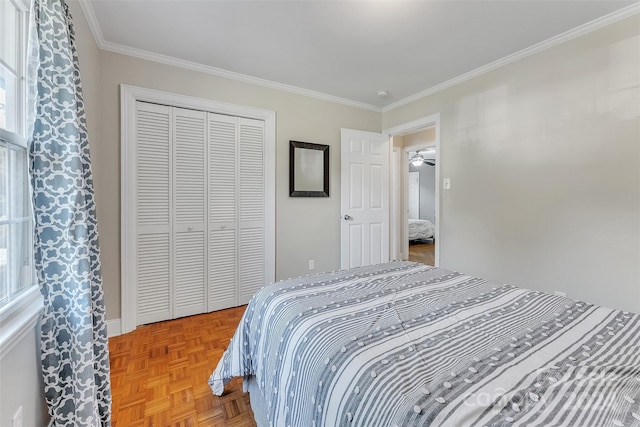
200,211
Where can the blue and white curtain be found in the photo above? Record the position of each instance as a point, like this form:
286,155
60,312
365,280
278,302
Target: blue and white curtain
75,353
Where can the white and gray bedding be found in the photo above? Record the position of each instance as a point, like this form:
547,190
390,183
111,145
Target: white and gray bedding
404,344
421,229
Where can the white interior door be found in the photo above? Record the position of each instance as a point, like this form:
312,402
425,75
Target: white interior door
364,231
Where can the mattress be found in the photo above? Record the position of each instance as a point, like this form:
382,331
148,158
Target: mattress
421,229
404,344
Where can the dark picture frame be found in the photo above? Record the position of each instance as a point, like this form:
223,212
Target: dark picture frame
308,169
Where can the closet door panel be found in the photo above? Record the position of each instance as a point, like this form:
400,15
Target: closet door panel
251,208
190,136
153,213
251,163
190,294
223,219
222,169
153,167
154,287
251,262
223,269
200,211
190,167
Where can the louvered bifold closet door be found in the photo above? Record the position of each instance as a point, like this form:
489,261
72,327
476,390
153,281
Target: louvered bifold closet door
251,208
223,221
153,214
190,136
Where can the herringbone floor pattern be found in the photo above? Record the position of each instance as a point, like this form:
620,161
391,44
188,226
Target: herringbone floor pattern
159,374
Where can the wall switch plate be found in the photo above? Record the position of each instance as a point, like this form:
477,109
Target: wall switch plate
16,421
446,183
312,264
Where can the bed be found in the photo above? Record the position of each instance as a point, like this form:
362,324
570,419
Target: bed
405,344
421,229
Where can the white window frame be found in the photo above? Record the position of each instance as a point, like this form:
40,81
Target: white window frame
21,313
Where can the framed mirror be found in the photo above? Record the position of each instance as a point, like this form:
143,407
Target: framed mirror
308,169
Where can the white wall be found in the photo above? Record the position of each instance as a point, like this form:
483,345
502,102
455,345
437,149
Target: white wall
543,155
306,228
422,138
21,383
544,161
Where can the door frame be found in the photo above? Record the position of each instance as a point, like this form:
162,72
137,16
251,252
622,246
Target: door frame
400,235
129,95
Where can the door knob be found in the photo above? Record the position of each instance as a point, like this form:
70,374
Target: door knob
348,217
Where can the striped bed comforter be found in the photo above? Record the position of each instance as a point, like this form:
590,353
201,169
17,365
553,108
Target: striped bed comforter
404,344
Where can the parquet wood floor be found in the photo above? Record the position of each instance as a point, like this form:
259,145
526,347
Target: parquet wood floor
159,374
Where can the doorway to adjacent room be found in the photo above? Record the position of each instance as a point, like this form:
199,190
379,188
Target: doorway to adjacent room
415,215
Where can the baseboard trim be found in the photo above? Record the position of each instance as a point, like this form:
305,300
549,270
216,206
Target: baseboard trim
114,328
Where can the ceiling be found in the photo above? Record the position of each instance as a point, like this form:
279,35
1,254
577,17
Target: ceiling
342,50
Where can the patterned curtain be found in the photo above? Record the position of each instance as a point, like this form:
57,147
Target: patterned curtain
75,352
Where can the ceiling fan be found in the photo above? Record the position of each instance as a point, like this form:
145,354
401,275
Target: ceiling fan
418,159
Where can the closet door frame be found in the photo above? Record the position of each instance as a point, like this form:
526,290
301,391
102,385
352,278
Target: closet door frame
129,95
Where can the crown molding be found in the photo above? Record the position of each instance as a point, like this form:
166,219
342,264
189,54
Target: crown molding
90,16
574,33
194,66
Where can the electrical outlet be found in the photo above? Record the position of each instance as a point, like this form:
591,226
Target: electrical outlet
446,183
312,264
16,421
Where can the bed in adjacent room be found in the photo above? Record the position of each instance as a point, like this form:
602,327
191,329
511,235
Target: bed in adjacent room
421,229
404,344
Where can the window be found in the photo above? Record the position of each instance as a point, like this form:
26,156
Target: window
12,60
16,223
